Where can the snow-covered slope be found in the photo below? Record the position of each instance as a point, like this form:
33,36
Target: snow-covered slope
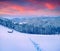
25,42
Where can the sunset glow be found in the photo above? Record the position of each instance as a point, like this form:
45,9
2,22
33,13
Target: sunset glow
30,7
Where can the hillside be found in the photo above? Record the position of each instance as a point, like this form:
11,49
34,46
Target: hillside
33,25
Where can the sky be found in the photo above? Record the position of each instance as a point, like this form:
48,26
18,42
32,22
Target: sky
30,7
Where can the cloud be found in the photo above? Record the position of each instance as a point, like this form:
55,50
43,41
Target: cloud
50,6
37,4
8,8
29,7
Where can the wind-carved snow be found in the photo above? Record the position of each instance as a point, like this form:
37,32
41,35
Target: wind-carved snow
17,41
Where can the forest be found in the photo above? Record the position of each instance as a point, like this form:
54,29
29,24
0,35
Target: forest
36,25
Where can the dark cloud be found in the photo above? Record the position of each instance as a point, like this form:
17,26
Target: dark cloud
26,2
51,1
19,2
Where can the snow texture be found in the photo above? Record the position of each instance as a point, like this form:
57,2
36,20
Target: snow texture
17,41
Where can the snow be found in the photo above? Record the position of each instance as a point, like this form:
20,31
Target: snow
23,22
17,41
